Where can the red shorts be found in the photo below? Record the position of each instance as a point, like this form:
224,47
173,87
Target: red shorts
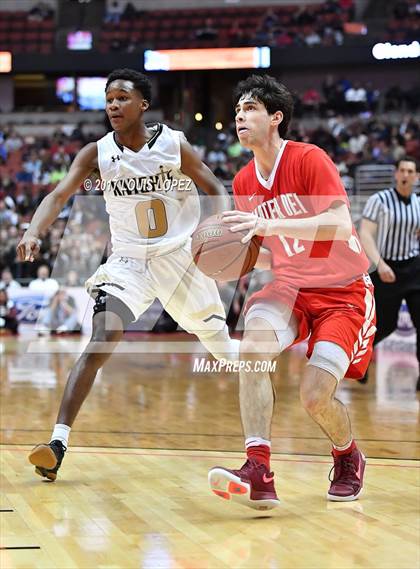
345,316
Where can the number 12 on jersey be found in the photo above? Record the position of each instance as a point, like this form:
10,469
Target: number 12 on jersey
293,248
151,218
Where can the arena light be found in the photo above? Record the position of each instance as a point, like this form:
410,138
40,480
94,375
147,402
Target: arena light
214,58
5,62
396,51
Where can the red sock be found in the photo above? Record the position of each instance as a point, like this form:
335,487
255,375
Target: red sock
351,447
260,454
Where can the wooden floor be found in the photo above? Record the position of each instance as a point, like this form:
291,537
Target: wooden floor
133,492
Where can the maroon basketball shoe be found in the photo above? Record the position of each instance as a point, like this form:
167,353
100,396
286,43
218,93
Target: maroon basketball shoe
347,484
252,485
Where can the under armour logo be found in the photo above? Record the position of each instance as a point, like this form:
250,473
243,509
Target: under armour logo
117,157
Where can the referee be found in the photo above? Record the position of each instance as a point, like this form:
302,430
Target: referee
390,232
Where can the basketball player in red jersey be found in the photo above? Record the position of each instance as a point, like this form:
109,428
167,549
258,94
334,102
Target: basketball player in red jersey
291,195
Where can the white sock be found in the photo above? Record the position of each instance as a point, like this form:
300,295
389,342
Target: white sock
256,441
61,433
344,447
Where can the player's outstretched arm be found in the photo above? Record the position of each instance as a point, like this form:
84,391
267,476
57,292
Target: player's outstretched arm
82,166
334,224
202,176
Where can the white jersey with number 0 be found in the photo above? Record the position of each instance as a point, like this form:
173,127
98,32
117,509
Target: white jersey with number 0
153,207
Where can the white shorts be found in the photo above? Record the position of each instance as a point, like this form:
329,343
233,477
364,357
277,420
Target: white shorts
189,296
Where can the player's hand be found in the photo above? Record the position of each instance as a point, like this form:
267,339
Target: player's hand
386,274
28,248
250,222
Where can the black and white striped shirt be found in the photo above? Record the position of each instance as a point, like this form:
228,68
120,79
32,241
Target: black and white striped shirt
398,220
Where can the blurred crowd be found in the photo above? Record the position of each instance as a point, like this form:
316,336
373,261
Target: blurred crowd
405,23
30,167
342,96
310,25
39,12
127,29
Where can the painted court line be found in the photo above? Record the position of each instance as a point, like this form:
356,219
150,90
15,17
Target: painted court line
123,452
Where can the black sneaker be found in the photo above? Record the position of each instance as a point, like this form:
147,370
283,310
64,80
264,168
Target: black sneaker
47,459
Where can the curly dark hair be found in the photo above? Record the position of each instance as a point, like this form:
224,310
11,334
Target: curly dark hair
139,80
271,93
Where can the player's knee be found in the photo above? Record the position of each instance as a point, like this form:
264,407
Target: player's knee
253,349
317,389
330,357
248,348
100,347
314,399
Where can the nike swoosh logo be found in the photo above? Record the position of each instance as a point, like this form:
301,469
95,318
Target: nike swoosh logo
251,197
266,479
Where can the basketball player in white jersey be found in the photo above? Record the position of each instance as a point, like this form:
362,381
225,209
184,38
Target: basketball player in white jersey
149,177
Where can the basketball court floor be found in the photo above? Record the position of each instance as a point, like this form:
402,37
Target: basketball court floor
133,492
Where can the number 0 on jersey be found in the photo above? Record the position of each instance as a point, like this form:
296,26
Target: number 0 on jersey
151,218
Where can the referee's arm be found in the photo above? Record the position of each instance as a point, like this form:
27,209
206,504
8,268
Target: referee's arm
367,233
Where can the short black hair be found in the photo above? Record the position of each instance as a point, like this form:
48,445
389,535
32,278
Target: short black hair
139,80
271,93
407,159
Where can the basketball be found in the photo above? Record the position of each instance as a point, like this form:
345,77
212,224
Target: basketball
219,253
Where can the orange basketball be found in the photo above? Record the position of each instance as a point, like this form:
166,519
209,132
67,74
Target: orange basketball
219,253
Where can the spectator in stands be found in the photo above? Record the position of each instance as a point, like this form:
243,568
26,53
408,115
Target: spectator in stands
61,315
12,141
8,315
73,279
304,16
8,216
58,172
357,140
130,13
114,12
311,100
394,98
269,20
208,32
7,281
43,284
284,38
356,98
39,12
236,36
312,38
372,96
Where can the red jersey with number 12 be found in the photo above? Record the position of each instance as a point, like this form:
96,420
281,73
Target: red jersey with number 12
304,183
